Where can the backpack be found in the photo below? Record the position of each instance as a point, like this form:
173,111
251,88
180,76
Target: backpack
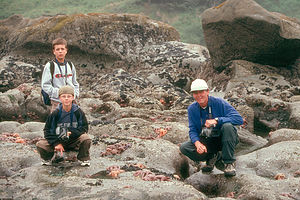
46,98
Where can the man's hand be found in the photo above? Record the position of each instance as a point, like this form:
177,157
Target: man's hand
59,148
201,148
211,123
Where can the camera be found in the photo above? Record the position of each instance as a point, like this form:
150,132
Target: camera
62,133
57,157
209,132
206,132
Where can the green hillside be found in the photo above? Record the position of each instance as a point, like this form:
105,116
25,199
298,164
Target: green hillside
184,15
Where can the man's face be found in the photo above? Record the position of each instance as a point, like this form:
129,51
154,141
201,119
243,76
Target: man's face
60,52
201,96
66,99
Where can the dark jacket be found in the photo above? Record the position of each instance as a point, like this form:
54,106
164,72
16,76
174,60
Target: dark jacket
51,124
221,109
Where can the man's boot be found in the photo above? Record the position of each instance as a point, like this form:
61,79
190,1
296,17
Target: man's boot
210,163
220,165
229,170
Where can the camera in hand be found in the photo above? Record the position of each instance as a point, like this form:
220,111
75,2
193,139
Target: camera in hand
57,157
62,133
206,132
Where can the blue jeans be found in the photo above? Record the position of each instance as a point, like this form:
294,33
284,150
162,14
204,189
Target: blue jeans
225,142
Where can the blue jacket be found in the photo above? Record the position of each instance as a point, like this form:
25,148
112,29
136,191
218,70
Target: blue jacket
51,124
220,109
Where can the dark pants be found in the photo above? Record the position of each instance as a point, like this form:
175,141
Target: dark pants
226,143
81,144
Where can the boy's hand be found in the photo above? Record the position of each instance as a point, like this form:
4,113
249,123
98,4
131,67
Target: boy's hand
59,148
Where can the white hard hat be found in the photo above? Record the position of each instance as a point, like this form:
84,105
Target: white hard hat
199,84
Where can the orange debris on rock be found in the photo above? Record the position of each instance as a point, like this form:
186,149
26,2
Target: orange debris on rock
16,135
176,176
230,194
279,176
162,101
139,165
115,173
161,132
20,140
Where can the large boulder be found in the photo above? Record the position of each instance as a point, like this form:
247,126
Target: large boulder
281,157
14,73
248,78
243,30
183,60
30,130
270,114
261,93
23,103
30,127
269,173
283,134
9,126
117,36
294,109
11,104
35,107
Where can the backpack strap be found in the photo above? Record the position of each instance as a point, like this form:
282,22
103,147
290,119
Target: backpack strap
52,70
52,67
71,65
76,113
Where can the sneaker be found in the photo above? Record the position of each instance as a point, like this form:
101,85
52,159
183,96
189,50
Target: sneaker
229,170
46,163
85,163
210,163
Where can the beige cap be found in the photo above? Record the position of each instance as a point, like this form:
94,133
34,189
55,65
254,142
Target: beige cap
66,90
198,85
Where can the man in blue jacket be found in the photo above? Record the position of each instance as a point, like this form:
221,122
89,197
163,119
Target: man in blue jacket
212,131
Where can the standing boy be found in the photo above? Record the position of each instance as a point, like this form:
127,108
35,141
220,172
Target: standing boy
62,73
213,136
65,129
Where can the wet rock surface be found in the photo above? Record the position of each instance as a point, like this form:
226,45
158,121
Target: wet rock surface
134,77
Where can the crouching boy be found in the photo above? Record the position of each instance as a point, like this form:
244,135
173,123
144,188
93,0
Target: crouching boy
65,129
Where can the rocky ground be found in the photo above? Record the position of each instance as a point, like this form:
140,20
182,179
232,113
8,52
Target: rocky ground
135,76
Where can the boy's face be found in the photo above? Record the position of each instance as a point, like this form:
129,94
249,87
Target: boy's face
66,99
60,52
